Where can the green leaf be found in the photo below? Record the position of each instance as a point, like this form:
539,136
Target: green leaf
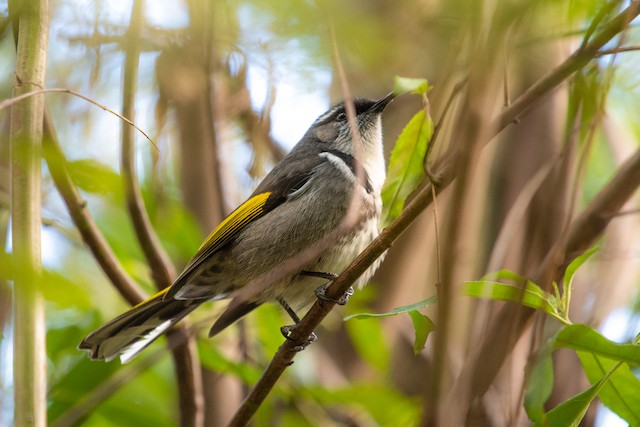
423,327
406,169
505,275
583,338
398,310
94,177
540,384
370,342
621,393
211,358
531,296
576,264
570,412
402,85
387,406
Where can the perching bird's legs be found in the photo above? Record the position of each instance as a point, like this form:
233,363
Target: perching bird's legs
286,330
320,294
322,289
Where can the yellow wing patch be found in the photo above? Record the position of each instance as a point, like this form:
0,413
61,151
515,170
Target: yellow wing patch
244,214
222,234
158,295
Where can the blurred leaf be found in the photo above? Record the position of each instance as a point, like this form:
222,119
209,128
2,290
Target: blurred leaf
76,384
94,177
64,292
370,342
540,384
621,393
398,310
387,406
505,275
146,399
576,264
531,296
570,412
583,338
402,85
211,358
406,165
423,327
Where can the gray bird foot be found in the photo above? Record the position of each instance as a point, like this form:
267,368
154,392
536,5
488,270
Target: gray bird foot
286,332
321,295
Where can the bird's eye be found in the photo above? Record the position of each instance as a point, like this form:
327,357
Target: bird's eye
341,117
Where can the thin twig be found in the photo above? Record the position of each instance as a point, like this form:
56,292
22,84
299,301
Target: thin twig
617,50
576,61
285,354
10,101
185,358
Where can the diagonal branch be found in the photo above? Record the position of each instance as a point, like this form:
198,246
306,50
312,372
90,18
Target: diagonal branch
445,170
82,219
162,270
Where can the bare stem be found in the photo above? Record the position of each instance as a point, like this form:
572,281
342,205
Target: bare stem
29,369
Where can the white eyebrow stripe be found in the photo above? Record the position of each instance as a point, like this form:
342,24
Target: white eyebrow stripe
328,114
339,164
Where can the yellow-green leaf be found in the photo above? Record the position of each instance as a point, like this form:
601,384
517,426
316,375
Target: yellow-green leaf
406,166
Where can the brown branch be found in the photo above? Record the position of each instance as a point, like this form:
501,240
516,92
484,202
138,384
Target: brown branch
162,269
576,61
82,219
285,354
185,358
10,101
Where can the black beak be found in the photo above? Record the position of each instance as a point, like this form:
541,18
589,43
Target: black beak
381,103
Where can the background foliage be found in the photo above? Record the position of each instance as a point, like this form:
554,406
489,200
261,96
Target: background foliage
226,88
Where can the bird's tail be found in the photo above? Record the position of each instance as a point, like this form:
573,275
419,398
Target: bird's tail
126,335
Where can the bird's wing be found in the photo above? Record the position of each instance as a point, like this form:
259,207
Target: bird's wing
271,193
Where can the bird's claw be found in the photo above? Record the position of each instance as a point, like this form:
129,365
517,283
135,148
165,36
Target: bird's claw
286,332
321,295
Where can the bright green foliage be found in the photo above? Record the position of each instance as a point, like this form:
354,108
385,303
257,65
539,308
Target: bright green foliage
385,405
602,360
567,282
93,176
422,324
399,310
540,383
423,327
406,165
621,393
570,412
583,338
605,362
531,296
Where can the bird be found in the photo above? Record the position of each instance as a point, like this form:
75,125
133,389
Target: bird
311,215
